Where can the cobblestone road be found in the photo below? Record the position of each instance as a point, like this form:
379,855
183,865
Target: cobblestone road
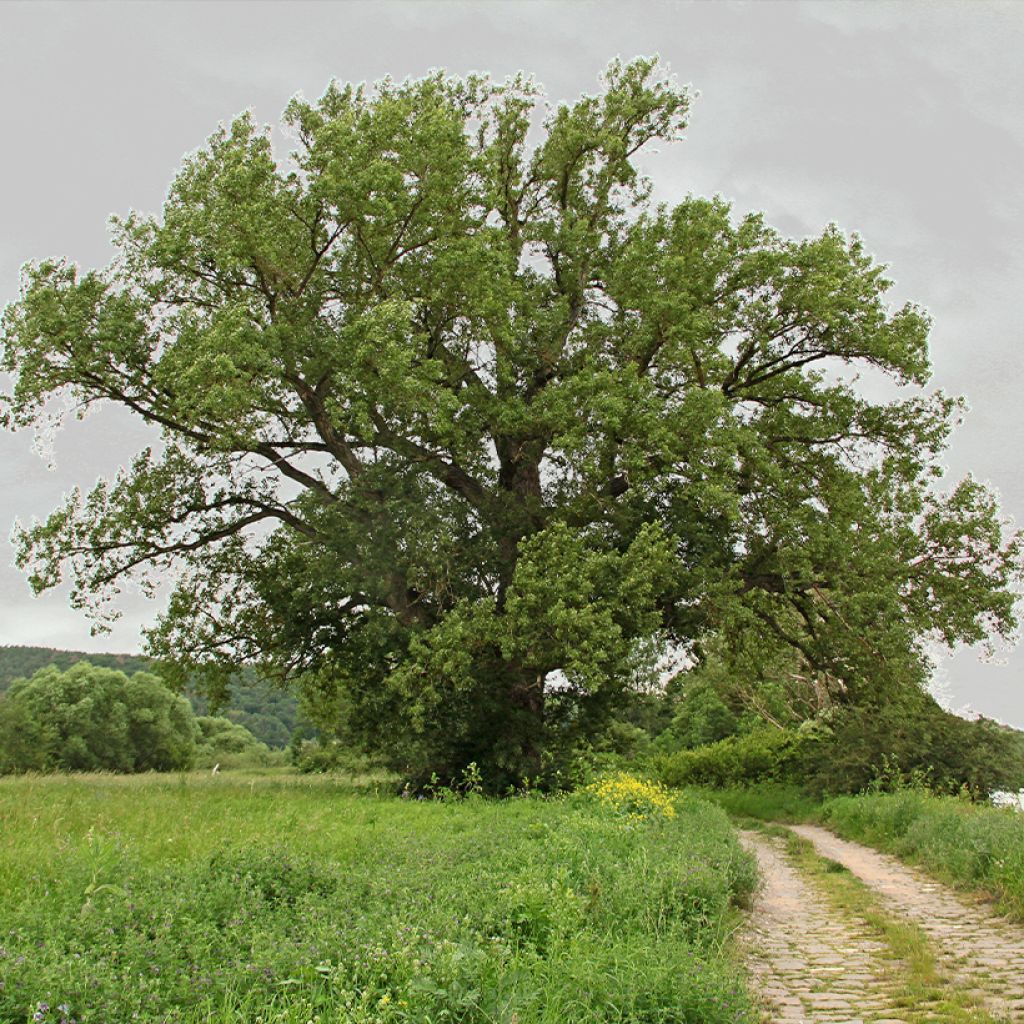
984,952
810,964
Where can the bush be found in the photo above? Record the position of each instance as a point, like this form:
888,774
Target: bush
887,745
230,745
768,755
94,719
633,799
854,748
315,757
701,719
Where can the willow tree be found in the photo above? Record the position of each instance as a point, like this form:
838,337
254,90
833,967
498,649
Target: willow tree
459,429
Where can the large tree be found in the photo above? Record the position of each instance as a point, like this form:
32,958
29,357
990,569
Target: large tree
459,428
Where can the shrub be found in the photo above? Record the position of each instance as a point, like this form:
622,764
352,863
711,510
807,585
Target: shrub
228,744
887,745
632,798
854,748
768,755
315,757
702,718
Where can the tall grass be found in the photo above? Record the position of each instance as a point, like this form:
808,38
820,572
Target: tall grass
766,801
296,899
970,845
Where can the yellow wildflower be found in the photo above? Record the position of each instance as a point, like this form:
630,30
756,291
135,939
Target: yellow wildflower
632,798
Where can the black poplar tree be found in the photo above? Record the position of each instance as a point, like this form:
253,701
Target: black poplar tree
450,410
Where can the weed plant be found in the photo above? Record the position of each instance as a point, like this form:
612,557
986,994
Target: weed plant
293,899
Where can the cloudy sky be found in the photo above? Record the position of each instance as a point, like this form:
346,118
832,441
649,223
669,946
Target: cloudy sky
899,121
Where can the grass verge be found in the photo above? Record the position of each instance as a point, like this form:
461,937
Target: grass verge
283,899
971,846
765,801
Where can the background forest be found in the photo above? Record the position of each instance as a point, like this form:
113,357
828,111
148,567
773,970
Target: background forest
269,713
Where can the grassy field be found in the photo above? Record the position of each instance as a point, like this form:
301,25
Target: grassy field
292,899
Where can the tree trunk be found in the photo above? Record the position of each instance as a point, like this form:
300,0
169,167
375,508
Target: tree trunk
526,697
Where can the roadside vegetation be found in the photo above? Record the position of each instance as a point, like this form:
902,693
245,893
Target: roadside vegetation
906,777
713,740
763,802
963,842
201,898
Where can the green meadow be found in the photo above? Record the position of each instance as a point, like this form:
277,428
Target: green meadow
292,899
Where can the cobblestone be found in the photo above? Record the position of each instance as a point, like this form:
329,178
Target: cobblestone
811,966
982,951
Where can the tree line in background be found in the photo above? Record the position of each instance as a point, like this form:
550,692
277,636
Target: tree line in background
716,730
270,713
700,729
90,718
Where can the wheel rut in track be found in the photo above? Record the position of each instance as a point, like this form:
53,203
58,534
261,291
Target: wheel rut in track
811,963
982,951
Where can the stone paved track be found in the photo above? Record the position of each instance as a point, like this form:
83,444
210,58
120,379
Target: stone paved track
811,966
984,952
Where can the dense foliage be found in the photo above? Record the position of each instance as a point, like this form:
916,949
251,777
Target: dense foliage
18,662
269,712
766,755
227,744
94,719
461,430
716,698
226,898
856,747
886,746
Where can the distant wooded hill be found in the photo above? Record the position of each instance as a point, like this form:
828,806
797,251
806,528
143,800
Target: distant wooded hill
268,713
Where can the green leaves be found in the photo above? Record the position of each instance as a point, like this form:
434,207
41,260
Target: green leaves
449,411
576,605
94,719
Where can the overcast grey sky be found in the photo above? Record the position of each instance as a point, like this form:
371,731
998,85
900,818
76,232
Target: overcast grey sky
900,121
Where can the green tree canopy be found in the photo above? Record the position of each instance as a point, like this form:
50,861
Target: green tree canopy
94,719
458,426
220,739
